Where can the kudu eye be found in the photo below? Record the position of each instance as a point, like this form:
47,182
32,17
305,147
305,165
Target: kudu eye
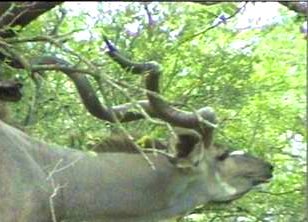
222,156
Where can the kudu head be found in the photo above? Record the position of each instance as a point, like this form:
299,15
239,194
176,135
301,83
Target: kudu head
227,174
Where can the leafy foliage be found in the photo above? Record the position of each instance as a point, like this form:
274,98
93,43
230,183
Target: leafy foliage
258,89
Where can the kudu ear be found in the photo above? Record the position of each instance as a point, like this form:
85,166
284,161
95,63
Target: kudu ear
189,149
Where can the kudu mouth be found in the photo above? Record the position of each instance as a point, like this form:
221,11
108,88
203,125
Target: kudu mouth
261,180
257,180
264,178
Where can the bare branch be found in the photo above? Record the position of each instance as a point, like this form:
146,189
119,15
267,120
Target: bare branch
300,7
14,14
221,21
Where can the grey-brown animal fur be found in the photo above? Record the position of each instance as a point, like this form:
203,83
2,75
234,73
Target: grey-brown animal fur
122,143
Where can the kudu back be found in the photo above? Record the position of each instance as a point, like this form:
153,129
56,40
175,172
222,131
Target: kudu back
41,182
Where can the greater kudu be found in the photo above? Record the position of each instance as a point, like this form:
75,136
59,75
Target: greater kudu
41,182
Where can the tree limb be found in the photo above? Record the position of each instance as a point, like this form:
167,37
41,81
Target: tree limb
14,14
300,7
